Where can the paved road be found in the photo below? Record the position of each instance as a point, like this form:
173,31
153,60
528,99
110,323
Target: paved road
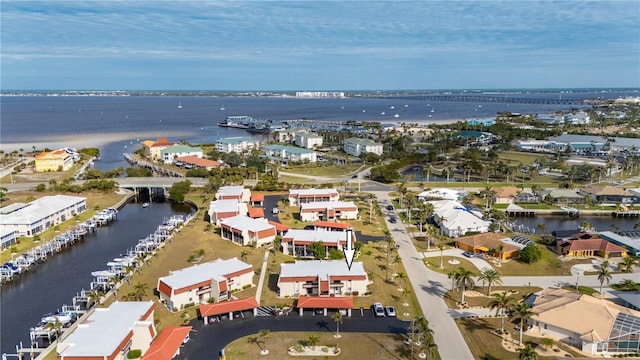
429,288
207,340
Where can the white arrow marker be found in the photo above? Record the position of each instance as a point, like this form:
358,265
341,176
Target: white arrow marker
349,252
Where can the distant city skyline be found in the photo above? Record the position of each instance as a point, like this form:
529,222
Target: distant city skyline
318,45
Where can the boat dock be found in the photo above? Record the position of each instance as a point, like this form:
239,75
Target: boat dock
626,214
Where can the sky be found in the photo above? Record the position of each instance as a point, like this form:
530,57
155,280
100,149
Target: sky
318,45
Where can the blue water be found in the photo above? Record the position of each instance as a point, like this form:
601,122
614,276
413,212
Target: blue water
33,119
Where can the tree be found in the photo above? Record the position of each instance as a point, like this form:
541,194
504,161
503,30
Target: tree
627,284
521,311
243,255
140,290
604,274
527,353
337,317
453,275
464,279
56,326
179,189
501,302
547,343
113,281
530,254
3,192
402,276
395,260
490,276
93,297
627,264
318,249
263,333
313,340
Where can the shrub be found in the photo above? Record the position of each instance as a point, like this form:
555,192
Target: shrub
246,286
298,348
134,354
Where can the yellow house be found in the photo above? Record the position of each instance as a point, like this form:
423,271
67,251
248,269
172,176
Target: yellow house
56,160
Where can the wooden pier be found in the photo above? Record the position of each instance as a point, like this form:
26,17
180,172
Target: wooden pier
626,214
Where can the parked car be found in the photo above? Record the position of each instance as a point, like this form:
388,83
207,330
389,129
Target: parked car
275,210
378,309
468,254
389,207
393,220
390,310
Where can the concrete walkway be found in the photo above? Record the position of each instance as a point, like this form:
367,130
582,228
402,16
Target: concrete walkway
429,288
263,272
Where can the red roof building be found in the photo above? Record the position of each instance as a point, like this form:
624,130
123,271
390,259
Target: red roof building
325,302
280,228
256,213
198,162
228,307
331,225
167,345
257,199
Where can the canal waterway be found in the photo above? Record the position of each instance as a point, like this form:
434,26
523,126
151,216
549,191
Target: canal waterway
599,223
55,282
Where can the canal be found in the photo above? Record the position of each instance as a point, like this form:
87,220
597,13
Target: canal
551,223
55,282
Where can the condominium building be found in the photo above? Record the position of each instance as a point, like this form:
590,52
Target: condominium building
238,144
357,146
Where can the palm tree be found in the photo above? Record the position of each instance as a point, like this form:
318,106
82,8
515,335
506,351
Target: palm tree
396,259
113,281
94,298
522,311
402,276
140,290
465,278
405,293
501,303
627,264
627,284
604,274
337,317
263,333
128,270
313,340
243,255
490,276
527,353
441,248
453,275
500,251
56,326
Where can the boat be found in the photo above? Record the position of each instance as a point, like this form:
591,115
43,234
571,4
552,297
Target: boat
396,115
238,122
145,205
179,105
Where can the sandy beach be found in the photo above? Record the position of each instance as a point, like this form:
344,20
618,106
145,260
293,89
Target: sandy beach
80,141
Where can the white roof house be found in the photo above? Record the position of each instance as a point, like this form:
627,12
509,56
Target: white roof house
220,209
43,213
238,144
237,192
328,210
322,277
295,241
299,196
245,231
357,146
455,220
189,285
105,331
285,154
441,193
168,154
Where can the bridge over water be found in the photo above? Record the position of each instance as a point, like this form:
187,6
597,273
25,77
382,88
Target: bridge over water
496,99
157,182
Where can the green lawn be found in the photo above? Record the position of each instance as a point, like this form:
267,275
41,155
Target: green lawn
452,298
520,157
325,171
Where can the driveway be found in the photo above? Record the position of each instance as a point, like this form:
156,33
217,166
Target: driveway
208,340
479,263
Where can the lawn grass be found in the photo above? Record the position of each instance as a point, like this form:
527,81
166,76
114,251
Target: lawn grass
96,201
549,265
353,346
484,343
434,264
324,171
525,158
452,298
295,180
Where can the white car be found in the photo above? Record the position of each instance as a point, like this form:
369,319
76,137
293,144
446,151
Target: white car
275,210
378,309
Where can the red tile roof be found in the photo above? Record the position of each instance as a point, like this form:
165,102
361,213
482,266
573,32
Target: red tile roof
279,226
229,306
256,212
594,245
257,197
165,346
331,224
194,160
329,302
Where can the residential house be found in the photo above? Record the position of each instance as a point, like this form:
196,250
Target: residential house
565,196
56,160
605,328
322,277
505,194
481,122
332,226
281,229
302,196
526,197
584,245
199,283
211,312
170,153
297,241
543,146
235,192
475,137
492,244
109,333
238,144
357,146
41,214
328,210
441,194
286,154
246,231
222,209
456,220
609,194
